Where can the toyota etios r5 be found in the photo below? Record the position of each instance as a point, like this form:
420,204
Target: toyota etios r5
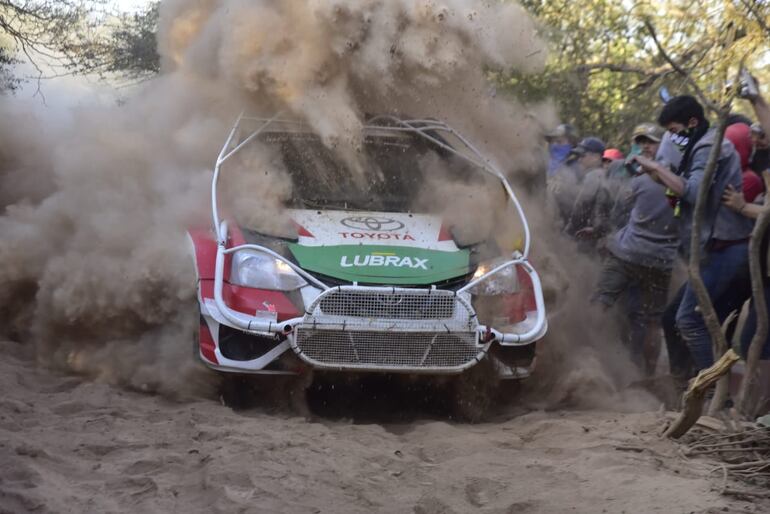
368,281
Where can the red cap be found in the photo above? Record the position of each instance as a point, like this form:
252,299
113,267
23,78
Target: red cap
613,154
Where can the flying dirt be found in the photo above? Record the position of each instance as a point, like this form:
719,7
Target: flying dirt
106,407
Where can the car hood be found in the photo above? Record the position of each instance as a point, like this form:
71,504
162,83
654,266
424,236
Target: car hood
377,247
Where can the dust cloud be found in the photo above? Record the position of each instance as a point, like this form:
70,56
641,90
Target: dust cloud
94,266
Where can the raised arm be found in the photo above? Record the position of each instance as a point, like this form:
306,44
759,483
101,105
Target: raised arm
662,174
762,111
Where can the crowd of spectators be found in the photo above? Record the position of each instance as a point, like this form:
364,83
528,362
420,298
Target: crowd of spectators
633,213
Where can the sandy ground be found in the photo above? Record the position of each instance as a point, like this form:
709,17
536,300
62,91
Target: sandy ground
69,445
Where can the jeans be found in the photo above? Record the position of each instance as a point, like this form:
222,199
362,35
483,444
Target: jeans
721,270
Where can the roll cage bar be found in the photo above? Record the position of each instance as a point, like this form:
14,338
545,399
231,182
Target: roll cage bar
431,130
425,128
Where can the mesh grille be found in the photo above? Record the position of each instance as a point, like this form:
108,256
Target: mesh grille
401,350
364,304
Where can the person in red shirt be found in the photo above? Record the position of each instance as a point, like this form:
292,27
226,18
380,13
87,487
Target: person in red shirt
739,135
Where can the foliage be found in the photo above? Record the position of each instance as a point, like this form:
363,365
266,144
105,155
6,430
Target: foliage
605,67
60,37
131,49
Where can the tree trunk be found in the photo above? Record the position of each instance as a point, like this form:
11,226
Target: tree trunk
696,282
745,406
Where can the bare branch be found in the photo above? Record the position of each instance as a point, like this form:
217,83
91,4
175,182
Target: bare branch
751,6
679,69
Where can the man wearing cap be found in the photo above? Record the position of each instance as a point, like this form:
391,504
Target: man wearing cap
564,176
645,139
590,214
612,155
642,255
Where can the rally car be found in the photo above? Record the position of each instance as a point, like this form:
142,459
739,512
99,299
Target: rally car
363,284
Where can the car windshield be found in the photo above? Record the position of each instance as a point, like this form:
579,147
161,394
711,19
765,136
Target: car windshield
388,177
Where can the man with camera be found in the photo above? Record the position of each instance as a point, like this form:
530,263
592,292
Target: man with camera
642,253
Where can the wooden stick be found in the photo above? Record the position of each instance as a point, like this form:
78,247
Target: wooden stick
693,397
696,281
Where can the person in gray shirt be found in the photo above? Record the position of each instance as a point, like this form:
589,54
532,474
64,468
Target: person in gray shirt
589,218
724,234
641,256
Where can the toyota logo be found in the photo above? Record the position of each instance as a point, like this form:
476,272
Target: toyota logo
374,223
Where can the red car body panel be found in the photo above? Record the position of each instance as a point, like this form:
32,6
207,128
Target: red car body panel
206,343
249,300
246,300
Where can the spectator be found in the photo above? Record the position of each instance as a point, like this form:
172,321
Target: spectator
739,134
563,182
736,201
736,296
591,209
743,204
561,142
612,155
645,138
642,255
724,234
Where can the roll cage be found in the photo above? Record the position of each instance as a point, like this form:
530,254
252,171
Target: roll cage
433,131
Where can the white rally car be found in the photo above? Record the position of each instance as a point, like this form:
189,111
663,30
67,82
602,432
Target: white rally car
364,284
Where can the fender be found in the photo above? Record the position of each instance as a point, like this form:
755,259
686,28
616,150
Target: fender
204,250
244,299
250,301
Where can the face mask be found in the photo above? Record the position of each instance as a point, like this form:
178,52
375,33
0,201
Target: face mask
560,151
680,139
558,155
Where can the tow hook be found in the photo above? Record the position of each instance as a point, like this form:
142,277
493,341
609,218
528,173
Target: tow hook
488,336
287,330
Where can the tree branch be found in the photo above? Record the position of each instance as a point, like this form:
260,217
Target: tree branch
760,302
753,11
679,69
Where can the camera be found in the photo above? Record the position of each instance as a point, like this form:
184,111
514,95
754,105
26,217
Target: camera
633,167
747,85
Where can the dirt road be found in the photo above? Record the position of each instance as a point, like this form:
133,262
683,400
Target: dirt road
69,445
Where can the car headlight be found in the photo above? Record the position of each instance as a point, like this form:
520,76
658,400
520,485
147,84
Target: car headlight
262,271
505,281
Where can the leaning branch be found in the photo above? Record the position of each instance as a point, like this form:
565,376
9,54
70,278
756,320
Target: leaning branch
679,69
710,317
759,300
756,15
622,68
693,397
